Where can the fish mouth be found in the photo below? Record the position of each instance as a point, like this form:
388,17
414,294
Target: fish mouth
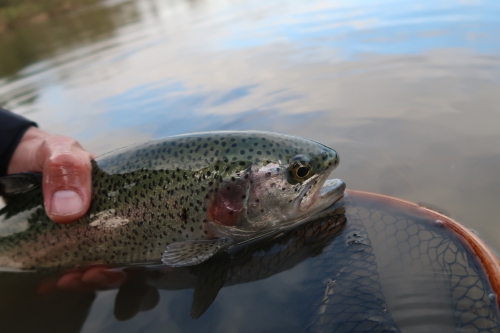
320,193
332,190
319,196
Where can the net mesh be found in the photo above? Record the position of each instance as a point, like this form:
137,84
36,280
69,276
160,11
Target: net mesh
383,252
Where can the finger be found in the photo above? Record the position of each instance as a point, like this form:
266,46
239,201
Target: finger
71,281
66,178
102,277
94,278
47,285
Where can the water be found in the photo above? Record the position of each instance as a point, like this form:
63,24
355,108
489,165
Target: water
372,265
406,93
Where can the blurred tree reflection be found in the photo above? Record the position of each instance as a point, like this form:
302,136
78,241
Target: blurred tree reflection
54,28
16,12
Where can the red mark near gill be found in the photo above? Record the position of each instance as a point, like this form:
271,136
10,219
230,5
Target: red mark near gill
228,205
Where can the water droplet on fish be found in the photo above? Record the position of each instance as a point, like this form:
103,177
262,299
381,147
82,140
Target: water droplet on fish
439,224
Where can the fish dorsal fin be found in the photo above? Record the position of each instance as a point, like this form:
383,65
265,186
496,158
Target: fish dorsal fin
191,253
12,185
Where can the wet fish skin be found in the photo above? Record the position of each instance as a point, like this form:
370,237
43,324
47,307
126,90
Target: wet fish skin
190,194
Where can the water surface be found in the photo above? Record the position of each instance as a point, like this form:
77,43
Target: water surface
407,93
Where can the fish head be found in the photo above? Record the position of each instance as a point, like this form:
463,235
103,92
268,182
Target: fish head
285,191
284,184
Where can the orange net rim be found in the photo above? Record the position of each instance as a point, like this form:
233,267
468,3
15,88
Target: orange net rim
488,259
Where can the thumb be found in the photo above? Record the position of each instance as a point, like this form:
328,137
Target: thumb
66,179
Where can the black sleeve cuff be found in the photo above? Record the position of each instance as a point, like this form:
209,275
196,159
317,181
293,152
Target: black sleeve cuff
12,129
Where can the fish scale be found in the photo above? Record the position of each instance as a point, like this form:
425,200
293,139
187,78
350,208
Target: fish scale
179,199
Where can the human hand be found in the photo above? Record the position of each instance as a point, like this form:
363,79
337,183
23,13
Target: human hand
134,293
66,170
83,279
93,278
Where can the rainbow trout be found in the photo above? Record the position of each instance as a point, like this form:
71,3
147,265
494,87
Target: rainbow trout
179,200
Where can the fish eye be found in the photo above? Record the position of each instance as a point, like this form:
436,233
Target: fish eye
300,169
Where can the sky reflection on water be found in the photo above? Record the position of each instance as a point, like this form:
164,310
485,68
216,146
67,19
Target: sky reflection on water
407,93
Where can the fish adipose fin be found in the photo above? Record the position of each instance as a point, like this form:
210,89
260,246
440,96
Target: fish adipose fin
191,253
12,185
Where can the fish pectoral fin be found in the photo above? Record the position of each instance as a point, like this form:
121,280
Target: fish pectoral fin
191,253
19,183
210,278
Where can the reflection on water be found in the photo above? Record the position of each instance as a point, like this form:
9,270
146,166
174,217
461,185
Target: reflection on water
29,44
369,265
406,93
